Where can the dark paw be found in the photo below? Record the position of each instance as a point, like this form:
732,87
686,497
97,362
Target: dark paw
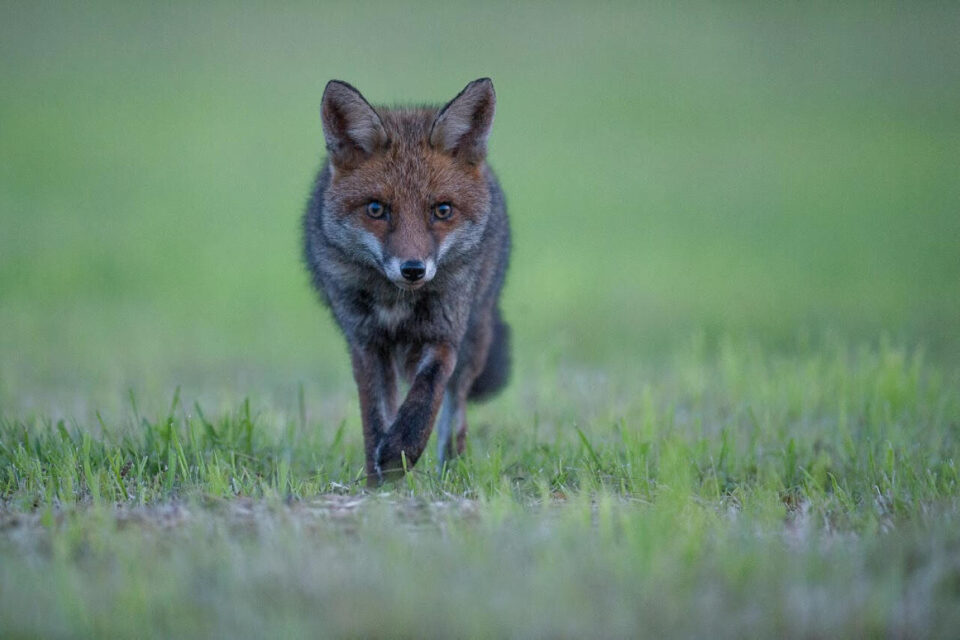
389,459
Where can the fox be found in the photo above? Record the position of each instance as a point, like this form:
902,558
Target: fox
406,240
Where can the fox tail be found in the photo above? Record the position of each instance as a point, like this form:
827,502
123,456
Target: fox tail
496,372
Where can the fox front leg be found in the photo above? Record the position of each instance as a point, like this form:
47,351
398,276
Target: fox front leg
451,426
410,431
376,380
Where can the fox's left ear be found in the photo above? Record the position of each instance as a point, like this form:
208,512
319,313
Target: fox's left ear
462,127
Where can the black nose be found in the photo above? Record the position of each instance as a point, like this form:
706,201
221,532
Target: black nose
412,270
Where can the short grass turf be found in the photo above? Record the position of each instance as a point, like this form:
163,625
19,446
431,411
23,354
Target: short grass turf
735,295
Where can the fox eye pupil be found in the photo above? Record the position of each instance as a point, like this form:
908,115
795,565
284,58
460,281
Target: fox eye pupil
375,209
443,211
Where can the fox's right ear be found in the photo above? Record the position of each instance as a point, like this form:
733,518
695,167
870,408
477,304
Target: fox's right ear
352,128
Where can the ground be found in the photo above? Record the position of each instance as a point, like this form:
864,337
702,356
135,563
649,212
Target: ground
735,296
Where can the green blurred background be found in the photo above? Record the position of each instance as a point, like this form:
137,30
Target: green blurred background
775,174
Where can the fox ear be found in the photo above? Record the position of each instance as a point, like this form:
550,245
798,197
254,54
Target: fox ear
462,127
352,128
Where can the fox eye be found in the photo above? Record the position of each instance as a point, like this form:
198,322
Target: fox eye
376,209
442,211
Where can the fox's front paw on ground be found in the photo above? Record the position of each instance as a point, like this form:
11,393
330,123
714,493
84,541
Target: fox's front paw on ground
391,461
407,241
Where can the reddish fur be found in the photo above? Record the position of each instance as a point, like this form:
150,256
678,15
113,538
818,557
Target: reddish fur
412,177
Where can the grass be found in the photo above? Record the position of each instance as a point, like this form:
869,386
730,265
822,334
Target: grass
735,298
729,496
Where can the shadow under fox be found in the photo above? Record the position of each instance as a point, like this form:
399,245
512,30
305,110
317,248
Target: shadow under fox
407,241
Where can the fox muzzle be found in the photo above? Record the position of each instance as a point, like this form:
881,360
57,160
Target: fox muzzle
413,270
410,274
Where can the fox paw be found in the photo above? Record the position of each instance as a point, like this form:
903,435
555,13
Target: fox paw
389,461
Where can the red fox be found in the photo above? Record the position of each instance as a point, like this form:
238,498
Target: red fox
407,241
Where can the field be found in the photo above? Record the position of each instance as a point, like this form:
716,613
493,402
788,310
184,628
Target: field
734,292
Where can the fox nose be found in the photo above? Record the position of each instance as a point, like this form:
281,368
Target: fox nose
413,270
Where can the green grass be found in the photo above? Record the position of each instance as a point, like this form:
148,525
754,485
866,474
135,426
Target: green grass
735,295
727,496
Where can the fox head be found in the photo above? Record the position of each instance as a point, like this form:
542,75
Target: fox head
408,192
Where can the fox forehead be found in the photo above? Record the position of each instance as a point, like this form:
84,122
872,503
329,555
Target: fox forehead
410,174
